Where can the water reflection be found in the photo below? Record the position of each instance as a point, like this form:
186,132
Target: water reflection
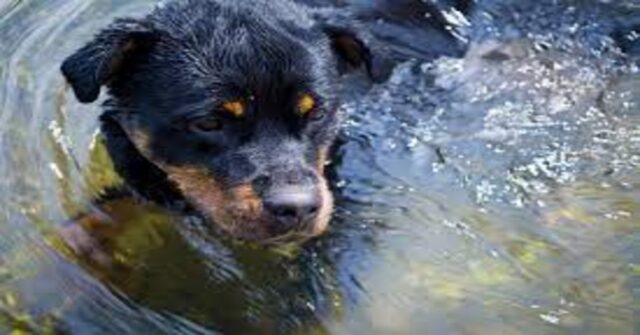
490,192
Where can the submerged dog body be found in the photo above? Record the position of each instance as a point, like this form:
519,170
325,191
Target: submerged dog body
230,105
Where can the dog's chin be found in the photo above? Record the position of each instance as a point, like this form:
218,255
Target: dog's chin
256,230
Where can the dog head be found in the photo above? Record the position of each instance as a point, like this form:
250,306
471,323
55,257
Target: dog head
235,103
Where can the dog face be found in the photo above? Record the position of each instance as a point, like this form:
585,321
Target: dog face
234,103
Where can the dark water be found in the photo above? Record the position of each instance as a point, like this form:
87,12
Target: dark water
489,191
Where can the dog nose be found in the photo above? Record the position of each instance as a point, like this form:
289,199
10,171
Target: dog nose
291,208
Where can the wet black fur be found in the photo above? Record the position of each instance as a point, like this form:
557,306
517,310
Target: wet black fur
187,57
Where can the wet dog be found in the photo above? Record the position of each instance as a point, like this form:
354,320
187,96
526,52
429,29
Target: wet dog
228,106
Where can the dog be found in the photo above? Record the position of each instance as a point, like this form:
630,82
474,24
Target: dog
227,107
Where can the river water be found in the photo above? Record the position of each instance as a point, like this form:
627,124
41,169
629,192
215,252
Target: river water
491,185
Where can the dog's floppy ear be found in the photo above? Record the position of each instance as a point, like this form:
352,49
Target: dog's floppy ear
352,52
349,48
106,56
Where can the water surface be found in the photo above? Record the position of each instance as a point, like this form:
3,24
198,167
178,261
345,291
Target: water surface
490,186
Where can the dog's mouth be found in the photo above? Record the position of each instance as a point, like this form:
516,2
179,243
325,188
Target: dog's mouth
241,213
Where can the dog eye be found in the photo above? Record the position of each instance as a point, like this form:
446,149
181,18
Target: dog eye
206,124
306,104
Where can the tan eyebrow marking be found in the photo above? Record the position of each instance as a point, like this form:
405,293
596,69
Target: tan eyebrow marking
306,103
235,107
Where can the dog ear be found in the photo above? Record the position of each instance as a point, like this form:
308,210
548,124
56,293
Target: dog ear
102,59
348,47
352,53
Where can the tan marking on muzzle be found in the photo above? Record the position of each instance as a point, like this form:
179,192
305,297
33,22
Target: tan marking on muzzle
323,155
245,200
326,210
199,187
236,210
324,215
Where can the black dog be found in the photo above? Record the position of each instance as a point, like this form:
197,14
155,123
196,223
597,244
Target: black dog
229,105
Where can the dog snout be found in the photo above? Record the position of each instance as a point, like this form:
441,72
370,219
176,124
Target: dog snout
292,208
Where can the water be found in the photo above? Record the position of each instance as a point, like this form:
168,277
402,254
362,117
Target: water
489,191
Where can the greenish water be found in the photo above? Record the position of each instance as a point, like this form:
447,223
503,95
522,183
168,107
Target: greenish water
495,193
